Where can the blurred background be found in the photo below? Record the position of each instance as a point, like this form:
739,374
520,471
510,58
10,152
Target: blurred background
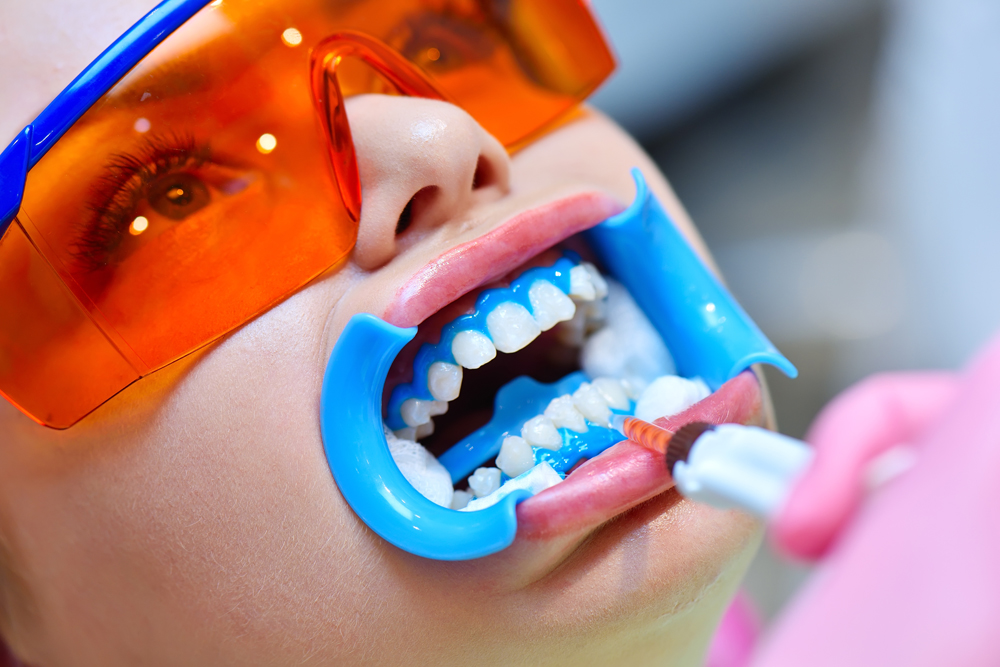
842,160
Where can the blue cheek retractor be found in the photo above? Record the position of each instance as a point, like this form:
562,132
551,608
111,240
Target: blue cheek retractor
708,333
362,466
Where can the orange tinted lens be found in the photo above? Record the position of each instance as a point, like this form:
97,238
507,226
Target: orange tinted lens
185,202
514,65
55,364
198,192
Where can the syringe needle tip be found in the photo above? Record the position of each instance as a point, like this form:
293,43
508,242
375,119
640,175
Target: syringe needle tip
648,435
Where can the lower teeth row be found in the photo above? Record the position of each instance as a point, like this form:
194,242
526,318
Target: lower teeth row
552,443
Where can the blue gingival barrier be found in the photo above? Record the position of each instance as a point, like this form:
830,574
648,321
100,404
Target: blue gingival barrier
708,333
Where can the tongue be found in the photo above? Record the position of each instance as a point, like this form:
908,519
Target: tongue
627,473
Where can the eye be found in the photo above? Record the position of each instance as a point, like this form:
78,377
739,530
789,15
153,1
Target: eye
139,195
177,196
443,42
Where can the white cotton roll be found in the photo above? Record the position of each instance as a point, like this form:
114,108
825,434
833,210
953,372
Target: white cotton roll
668,395
628,347
421,470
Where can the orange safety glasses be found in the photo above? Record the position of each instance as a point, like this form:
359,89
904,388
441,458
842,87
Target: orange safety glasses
218,175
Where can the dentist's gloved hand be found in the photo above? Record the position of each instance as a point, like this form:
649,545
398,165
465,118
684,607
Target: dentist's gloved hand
909,574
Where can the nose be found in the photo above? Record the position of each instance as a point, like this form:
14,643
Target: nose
422,164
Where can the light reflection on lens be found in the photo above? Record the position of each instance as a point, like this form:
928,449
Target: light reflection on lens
142,125
266,143
433,54
291,37
138,226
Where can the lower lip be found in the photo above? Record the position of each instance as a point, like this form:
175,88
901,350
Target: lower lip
628,474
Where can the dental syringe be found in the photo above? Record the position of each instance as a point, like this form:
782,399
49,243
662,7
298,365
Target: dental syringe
725,465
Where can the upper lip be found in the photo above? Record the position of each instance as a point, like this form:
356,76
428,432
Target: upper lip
465,267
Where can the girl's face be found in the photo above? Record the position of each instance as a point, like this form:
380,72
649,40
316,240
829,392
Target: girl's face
193,519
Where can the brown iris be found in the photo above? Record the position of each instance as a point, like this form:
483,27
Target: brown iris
177,196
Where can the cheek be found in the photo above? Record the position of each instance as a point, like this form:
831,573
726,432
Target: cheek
591,149
220,518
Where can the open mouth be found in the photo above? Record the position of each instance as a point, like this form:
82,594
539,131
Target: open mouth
529,339
523,377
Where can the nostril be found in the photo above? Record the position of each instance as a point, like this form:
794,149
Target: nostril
485,174
414,208
405,218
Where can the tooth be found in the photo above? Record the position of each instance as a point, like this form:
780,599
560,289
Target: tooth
515,456
541,432
580,283
564,415
668,395
511,326
484,481
444,380
572,332
591,404
416,412
596,313
549,304
460,499
634,386
472,349
408,433
536,480
613,392
600,284
425,430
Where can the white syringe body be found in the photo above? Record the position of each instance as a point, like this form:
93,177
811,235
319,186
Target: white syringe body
745,467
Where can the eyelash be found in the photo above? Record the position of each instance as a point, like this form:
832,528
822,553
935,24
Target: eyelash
124,183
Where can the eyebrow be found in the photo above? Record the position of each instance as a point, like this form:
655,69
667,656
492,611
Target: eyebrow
172,78
186,72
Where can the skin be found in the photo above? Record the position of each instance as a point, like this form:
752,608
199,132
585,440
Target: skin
192,520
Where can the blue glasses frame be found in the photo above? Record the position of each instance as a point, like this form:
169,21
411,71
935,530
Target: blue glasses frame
105,71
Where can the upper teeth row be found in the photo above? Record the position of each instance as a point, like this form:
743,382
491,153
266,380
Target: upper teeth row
506,319
511,326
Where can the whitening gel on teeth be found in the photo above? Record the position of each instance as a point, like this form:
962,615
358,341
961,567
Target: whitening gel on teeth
726,465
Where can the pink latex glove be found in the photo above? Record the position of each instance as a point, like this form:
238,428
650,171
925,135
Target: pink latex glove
911,576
